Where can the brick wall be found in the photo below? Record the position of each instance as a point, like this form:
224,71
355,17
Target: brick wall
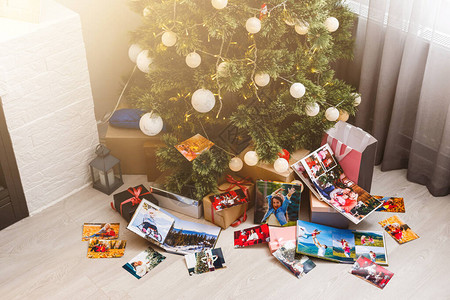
46,96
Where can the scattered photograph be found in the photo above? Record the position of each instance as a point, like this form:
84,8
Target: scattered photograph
228,199
400,231
205,261
150,222
281,235
391,204
106,248
298,265
142,263
366,269
105,231
277,203
342,245
336,189
188,237
251,236
194,146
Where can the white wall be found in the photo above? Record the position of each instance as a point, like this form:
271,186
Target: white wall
46,96
106,25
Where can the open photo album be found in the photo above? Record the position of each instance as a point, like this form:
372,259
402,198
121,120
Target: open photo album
325,178
171,233
340,245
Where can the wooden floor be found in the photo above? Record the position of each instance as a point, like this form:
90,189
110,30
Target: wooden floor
43,257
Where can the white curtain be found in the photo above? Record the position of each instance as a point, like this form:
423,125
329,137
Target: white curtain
402,70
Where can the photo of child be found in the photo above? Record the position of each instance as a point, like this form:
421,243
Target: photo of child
277,203
106,248
298,265
400,231
251,236
314,165
315,240
205,261
150,222
366,269
326,158
194,146
106,231
142,263
391,204
344,245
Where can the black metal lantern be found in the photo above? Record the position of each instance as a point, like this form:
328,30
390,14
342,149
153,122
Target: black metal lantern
105,171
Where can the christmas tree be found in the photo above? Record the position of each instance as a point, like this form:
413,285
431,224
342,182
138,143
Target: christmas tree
262,70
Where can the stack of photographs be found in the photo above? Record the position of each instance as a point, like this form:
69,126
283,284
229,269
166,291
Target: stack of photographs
298,265
171,233
326,179
340,245
205,261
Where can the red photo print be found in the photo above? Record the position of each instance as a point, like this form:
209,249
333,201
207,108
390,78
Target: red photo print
251,236
371,272
228,199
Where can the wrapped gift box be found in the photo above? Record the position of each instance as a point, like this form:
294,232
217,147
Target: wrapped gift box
322,213
225,217
266,171
127,201
134,149
281,235
178,203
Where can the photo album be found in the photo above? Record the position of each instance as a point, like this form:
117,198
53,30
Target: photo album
328,182
340,245
277,203
171,233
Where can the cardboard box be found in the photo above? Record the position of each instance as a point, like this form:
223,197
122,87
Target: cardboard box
181,204
322,213
126,202
150,148
128,146
225,217
265,171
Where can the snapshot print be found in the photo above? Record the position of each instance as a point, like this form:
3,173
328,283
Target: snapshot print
106,248
391,204
400,231
336,189
371,272
228,199
105,231
277,203
298,265
142,263
188,237
205,261
194,146
150,222
251,236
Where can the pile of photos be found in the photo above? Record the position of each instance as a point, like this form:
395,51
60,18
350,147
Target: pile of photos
103,242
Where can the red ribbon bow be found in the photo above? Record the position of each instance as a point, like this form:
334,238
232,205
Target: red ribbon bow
135,200
284,154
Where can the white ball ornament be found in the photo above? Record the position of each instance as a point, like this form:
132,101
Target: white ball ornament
332,114
262,79
312,109
235,164
301,28
193,60
222,69
146,12
134,51
297,90
253,25
169,38
203,100
281,165
332,24
357,100
151,124
251,158
219,4
143,61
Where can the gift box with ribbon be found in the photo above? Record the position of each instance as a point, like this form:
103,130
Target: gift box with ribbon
178,203
229,206
127,201
281,235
